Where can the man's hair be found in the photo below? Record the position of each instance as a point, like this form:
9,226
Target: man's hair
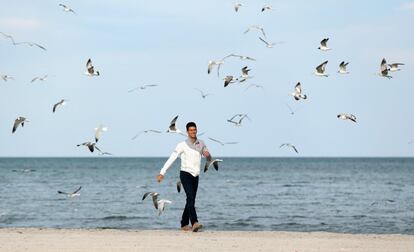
190,124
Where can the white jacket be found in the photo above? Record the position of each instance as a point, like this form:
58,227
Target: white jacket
190,154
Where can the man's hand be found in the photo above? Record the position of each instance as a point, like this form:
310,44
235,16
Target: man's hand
207,155
160,178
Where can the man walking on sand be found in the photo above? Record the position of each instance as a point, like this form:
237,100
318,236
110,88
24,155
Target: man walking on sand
190,152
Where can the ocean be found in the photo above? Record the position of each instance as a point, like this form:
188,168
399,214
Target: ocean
344,195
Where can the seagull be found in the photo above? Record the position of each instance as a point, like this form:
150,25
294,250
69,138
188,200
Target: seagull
72,194
254,85
220,142
161,205
342,68
98,132
7,77
229,80
256,28
394,67
266,7
213,63
145,131
142,87
19,121
298,92
179,186
158,204
268,44
103,152
320,70
203,95
67,8
245,74
90,69
241,118
344,116
172,128
61,103
22,43
289,145
214,162
91,146
324,47
40,78
242,57
237,6
384,70
8,37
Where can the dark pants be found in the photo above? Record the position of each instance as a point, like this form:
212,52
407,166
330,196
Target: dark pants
190,185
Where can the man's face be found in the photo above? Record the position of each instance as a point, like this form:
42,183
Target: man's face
192,132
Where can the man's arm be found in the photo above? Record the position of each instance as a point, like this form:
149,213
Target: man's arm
177,152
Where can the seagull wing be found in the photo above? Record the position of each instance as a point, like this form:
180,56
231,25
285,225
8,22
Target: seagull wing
298,88
215,140
77,190
89,66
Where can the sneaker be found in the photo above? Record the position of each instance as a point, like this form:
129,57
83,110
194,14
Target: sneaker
186,228
197,226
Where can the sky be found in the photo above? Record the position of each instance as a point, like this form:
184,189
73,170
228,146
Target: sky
169,43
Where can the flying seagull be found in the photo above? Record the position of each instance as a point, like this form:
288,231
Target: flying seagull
254,85
290,146
237,6
242,57
72,194
203,95
22,43
142,87
98,132
67,8
344,116
297,94
158,204
342,68
266,7
40,78
229,79
394,67
7,77
241,118
245,74
255,27
61,103
145,131
214,162
324,47
90,71
220,142
212,64
19,121
91,146
172,128
268,44
384,70
320,70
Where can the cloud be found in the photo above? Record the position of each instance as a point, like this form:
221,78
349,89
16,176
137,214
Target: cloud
408,6
11,23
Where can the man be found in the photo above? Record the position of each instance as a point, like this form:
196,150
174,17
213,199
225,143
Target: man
190,152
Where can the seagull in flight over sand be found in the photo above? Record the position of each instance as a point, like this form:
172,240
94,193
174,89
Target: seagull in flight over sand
213,163
67,8
90,70
172,128
212,64
158,204
342,68
220,142
290,146
324,45
203,95
72,194
7,77
255,27
266,7
394,67
98,132
142,87
320,70
241,118
237,6
344,116
384,69
60,103
40,78
145,131
297,94
19,121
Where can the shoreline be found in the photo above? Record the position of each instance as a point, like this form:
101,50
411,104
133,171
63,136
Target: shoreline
54,239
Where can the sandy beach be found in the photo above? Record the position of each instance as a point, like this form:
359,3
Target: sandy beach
33,239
